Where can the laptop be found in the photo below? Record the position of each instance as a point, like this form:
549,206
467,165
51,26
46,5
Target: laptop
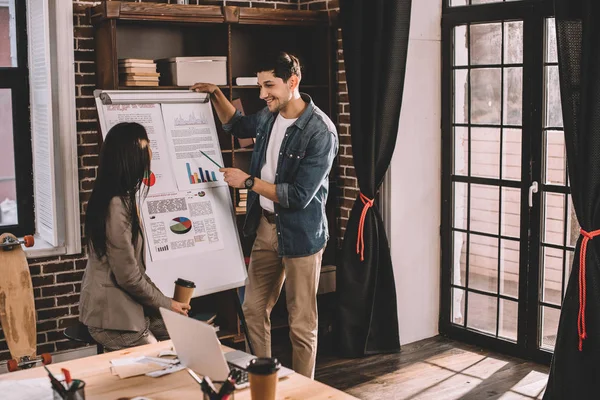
198,347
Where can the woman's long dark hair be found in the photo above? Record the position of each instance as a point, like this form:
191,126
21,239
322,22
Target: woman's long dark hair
124,162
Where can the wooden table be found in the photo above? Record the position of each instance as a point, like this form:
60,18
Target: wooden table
101,384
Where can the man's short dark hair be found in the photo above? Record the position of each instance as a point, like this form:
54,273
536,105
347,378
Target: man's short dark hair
283,65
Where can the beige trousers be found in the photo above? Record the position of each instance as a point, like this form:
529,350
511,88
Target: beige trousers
266,275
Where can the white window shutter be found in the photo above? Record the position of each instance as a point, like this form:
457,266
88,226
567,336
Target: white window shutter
43,146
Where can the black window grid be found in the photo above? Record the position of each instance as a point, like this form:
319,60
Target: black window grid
469,180
17,80
476,2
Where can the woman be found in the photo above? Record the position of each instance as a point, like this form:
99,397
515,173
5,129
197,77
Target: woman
119,303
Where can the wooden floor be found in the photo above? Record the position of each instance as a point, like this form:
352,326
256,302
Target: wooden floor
436,369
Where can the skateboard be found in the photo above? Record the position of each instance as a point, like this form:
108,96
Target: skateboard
17,308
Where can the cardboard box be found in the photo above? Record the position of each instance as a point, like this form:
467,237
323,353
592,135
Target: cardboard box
185,71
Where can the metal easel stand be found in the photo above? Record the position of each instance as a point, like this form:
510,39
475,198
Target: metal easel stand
240,311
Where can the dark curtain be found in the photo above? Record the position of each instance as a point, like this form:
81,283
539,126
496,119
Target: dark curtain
375,42
575,370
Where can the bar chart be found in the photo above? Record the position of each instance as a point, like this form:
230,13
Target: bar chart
200,176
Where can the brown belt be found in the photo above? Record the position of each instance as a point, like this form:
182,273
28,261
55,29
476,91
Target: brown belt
269,216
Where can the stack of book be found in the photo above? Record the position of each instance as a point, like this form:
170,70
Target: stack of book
242,198
137,72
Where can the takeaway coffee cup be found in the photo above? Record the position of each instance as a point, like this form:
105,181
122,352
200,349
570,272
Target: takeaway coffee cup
183,291
262,374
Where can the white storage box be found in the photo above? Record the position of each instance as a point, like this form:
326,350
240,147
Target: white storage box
185,71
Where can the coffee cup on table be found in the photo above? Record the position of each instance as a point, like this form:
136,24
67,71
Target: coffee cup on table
262,375
184,290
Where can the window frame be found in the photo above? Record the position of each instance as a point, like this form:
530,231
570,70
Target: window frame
447,8
61,133
535,12
17,80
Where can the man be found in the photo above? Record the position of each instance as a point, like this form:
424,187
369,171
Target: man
287,184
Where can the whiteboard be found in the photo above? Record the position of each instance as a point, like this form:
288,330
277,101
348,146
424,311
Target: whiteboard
188,217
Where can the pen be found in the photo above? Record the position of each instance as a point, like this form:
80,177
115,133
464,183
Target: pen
74,386
210,386
58,387
202,382
193,374
213,161
67,375
205,384
227,387
208,390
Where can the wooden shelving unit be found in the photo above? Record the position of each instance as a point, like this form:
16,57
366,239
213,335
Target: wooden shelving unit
154,30
223,87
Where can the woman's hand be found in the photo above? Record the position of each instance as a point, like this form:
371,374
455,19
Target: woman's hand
180,308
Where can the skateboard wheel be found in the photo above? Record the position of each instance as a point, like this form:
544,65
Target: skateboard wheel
46,358
12,365
29,241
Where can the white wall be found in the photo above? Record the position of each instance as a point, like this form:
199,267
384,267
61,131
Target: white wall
415,176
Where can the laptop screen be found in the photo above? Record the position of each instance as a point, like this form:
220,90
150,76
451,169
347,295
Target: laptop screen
196,344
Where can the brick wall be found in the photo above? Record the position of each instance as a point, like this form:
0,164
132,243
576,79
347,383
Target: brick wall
347,184
57,280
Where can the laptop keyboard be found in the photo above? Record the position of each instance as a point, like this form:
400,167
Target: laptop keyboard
240,375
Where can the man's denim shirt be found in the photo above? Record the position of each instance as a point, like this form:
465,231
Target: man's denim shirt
302,178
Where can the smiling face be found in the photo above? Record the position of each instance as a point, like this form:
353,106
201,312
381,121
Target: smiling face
274,91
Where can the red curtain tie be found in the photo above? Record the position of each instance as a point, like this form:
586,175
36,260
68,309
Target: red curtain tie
587,236
360,241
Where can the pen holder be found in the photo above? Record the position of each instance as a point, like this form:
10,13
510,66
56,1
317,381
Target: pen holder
206,396
78,394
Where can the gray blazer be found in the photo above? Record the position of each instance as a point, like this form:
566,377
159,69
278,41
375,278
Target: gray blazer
115,289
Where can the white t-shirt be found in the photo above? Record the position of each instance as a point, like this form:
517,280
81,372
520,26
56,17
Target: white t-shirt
268,171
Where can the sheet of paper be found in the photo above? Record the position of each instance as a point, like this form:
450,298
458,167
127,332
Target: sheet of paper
191,131
164,361
117,362
38,388
180,224
134,366
26,389
169,370
161,178
169,352
127,371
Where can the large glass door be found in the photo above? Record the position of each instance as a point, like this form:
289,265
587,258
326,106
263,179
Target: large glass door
487,128
508,228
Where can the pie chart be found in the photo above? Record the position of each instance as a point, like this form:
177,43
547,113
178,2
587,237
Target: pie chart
180,225
149,180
